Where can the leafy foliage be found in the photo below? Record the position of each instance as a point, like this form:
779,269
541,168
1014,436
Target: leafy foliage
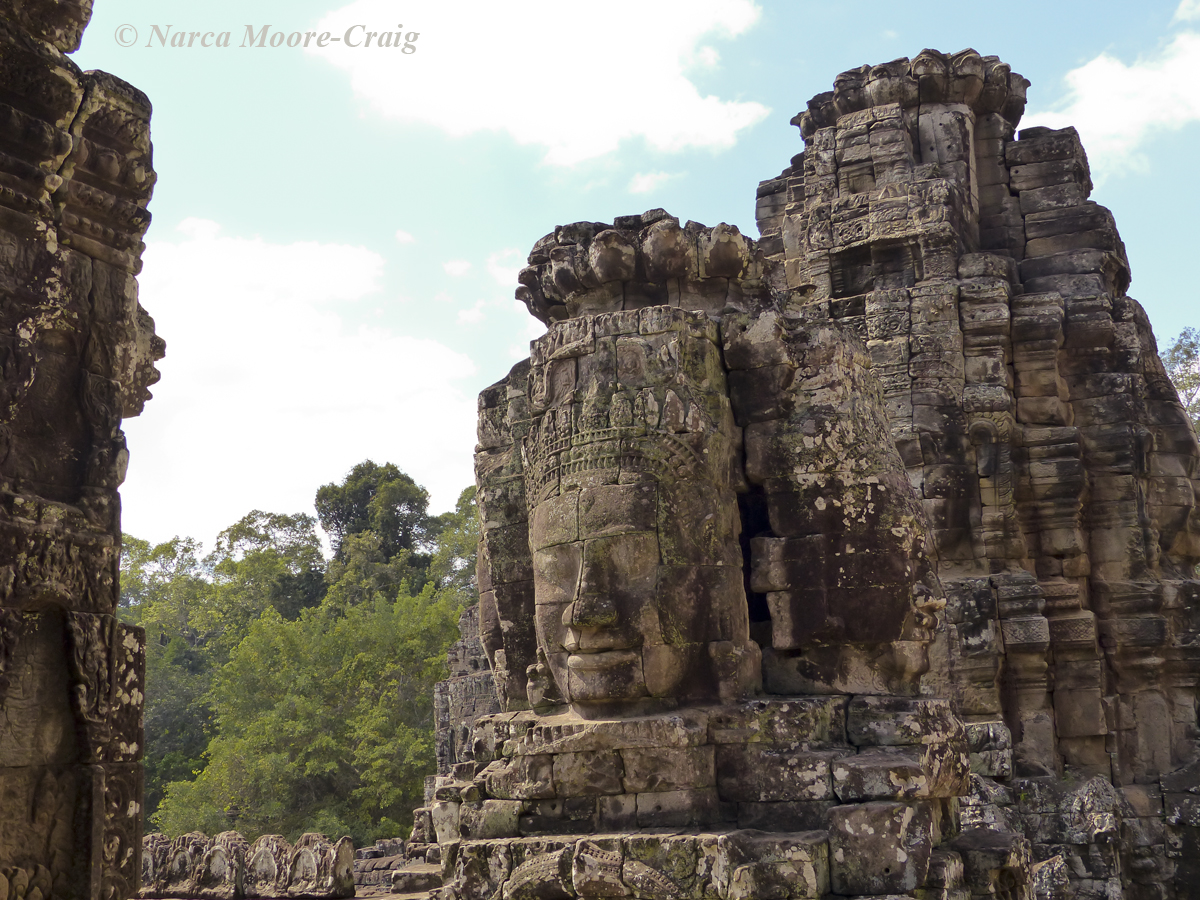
1182,361
452,567
162,587
380,499
326,717
289,694
257,563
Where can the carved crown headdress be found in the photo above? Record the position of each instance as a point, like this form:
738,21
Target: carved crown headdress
627,431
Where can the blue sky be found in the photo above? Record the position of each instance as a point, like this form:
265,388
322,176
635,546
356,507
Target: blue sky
336,232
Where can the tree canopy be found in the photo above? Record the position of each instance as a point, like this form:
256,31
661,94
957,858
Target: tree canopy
290,693
1182,361
382,500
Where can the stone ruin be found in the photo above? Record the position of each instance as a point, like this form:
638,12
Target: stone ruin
77,354
858,560
228,867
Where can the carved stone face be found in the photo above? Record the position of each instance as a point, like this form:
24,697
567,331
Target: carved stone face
148,349
596,597
629,465
635,609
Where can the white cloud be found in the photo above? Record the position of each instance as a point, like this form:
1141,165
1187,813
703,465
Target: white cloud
504,266
1117,108
472,316
1187,11
457,268
478,66
404,237
267,392
645,182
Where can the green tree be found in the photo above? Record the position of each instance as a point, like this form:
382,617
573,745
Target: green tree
452,567
291,694
324,722
381,499
196,611
365,570
262,561
162,586
1182,362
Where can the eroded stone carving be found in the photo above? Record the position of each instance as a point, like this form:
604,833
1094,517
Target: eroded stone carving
77,354
628,421
226,867
195,867
943,455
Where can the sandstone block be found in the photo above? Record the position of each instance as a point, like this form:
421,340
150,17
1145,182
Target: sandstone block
446,818
785,815
993,859
1038,145
762,393
319,868
1102,239
596,868
616,812
990,745
668,769
490,819
267,865
902,773
897,721
521,778
767,772
815,721
678,809
879,848
221,874
567,733
1028,176
750,343
416,878
666,865
588,773
543,874
756,865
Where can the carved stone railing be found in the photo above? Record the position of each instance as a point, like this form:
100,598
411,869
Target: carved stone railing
195,866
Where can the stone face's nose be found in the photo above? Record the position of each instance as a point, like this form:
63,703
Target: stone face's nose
592,610
595,618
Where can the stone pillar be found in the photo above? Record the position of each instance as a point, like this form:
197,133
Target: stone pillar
78,354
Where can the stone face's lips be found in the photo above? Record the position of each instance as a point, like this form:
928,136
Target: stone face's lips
595,641
607,659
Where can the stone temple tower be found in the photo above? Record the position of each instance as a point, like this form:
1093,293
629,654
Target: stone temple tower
1025,395
927,426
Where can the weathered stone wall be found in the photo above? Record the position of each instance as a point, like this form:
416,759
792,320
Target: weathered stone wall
77,354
